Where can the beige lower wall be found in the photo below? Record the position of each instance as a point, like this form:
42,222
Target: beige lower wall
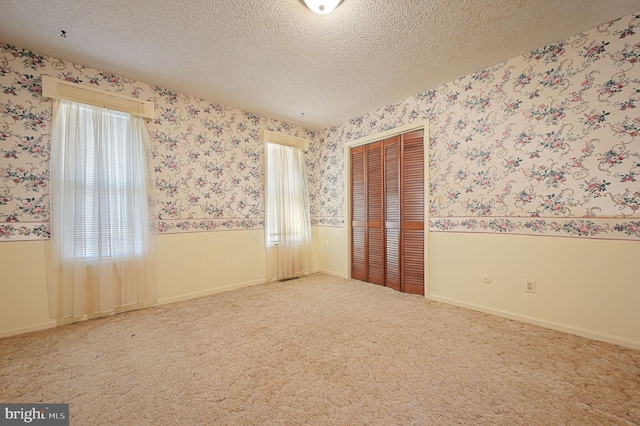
583,286
588,287
330,253
23,287
192,265
189,265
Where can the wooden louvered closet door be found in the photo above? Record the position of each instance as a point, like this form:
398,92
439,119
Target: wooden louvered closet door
358,214
412,212
375,239
387,212
392,212
367,235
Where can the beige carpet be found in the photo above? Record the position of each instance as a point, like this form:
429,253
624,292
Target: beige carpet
320,351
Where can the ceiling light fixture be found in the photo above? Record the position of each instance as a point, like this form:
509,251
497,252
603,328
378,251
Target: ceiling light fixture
322,6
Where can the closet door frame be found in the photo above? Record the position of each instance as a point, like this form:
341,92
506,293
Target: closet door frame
418,125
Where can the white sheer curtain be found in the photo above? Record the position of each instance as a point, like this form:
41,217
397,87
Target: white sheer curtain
288,223
102,252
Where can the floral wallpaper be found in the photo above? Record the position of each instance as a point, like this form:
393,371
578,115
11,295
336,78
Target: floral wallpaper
544,144
207,159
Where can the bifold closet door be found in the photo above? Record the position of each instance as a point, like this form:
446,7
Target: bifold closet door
367,235
387,212
412,212
358,214
375,236
392,212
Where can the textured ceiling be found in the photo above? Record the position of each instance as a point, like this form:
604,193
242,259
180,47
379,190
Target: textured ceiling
278,59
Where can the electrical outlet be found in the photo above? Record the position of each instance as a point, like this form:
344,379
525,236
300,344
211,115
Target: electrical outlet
530,286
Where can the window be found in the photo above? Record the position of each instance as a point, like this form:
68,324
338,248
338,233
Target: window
102,249
99,196
287,216
284,174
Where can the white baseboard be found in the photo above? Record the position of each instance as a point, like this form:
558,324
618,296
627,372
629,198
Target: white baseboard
161,301
208,292
333,273
29,329
590,334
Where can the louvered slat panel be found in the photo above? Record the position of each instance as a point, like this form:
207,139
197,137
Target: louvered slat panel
413,179
392,267
358,263
358,190
392,179
413,261
376,256
374,182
